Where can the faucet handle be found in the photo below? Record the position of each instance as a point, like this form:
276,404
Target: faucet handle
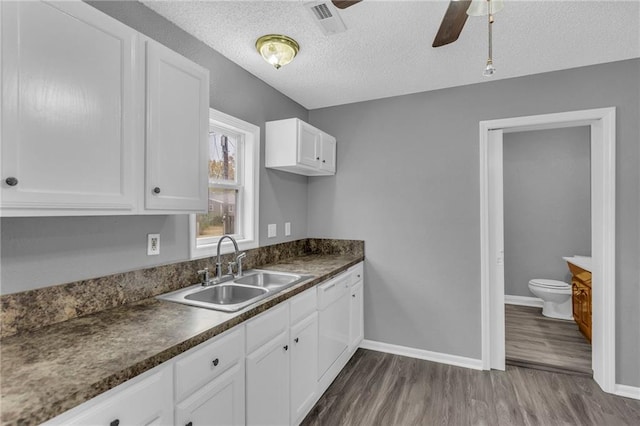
241,256
230,266
205,275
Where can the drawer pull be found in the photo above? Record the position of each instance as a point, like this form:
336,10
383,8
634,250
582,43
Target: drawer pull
296,339
215,362
156,190
115,422
189,424
11,181
353,295
358,275
286,347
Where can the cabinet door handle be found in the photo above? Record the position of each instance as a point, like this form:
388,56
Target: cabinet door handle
296,339
189,424
324,161
358,275
317,158
329,287
353,295
115,422
156,190
11,181
215,362
286,347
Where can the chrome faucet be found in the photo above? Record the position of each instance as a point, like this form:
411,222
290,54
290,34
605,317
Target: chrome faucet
238,261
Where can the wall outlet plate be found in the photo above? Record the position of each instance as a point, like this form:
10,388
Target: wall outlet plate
153,244
287,229
272,230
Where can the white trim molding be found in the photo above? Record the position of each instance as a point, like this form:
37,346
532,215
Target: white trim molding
603,204
248,221
458,361
534,302
627,391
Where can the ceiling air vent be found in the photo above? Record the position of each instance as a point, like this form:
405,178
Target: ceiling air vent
326,16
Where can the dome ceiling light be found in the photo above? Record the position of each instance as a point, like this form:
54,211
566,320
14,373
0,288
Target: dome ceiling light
276,49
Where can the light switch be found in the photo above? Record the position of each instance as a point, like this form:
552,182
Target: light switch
287,229
272,230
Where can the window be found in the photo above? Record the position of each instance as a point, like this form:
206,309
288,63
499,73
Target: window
234,153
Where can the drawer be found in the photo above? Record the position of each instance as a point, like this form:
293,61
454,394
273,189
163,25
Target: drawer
303,305
136,402
357,272
333,289
266,326
209,360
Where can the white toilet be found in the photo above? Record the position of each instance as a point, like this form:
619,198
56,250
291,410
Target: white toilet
556,296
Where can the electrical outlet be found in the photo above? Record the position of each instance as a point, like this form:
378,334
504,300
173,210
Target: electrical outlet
153,244
287,229
272,230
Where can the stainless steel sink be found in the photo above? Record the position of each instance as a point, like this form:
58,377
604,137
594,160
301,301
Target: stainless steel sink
226,294
268,279
232,296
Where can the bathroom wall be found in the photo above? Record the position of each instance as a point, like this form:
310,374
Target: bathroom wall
40,252
408,184
547,204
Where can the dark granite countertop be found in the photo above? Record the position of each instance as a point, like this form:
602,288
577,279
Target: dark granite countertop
48,371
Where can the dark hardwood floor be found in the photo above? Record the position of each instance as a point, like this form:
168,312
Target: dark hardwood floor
376,388
535,341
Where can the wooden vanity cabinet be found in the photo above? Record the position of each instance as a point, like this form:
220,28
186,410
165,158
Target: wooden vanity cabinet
581,293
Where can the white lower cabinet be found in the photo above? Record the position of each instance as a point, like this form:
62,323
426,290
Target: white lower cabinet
356,309
268,383
210,382
221,402
267,371
304,362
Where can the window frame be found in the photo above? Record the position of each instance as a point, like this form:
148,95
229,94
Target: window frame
247,201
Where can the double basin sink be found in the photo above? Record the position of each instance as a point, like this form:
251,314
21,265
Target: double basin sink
230,296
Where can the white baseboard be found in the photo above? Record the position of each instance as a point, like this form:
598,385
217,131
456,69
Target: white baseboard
523,301
627,391
458,361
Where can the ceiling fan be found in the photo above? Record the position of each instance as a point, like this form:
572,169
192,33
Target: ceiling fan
452,22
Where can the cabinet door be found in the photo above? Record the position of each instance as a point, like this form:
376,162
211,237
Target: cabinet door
221,402
67,110
177,132
356,319
328,154
308,145
304,363
268,383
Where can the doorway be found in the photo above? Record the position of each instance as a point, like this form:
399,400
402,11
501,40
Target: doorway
602,124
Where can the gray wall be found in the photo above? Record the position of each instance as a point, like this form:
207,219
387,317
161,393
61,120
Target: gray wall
39,252
547,204
407,183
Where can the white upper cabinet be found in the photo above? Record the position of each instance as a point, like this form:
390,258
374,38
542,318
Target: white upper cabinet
68,132
177,129
96,116
297,147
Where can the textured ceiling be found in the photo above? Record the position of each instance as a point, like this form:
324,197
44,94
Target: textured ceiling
386,50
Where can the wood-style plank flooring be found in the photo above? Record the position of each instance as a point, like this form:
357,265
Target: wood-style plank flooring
377,388
535,341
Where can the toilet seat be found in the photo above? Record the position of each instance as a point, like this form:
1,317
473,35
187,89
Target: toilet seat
540,282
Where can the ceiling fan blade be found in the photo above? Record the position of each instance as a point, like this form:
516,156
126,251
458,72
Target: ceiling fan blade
452,23
343,4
